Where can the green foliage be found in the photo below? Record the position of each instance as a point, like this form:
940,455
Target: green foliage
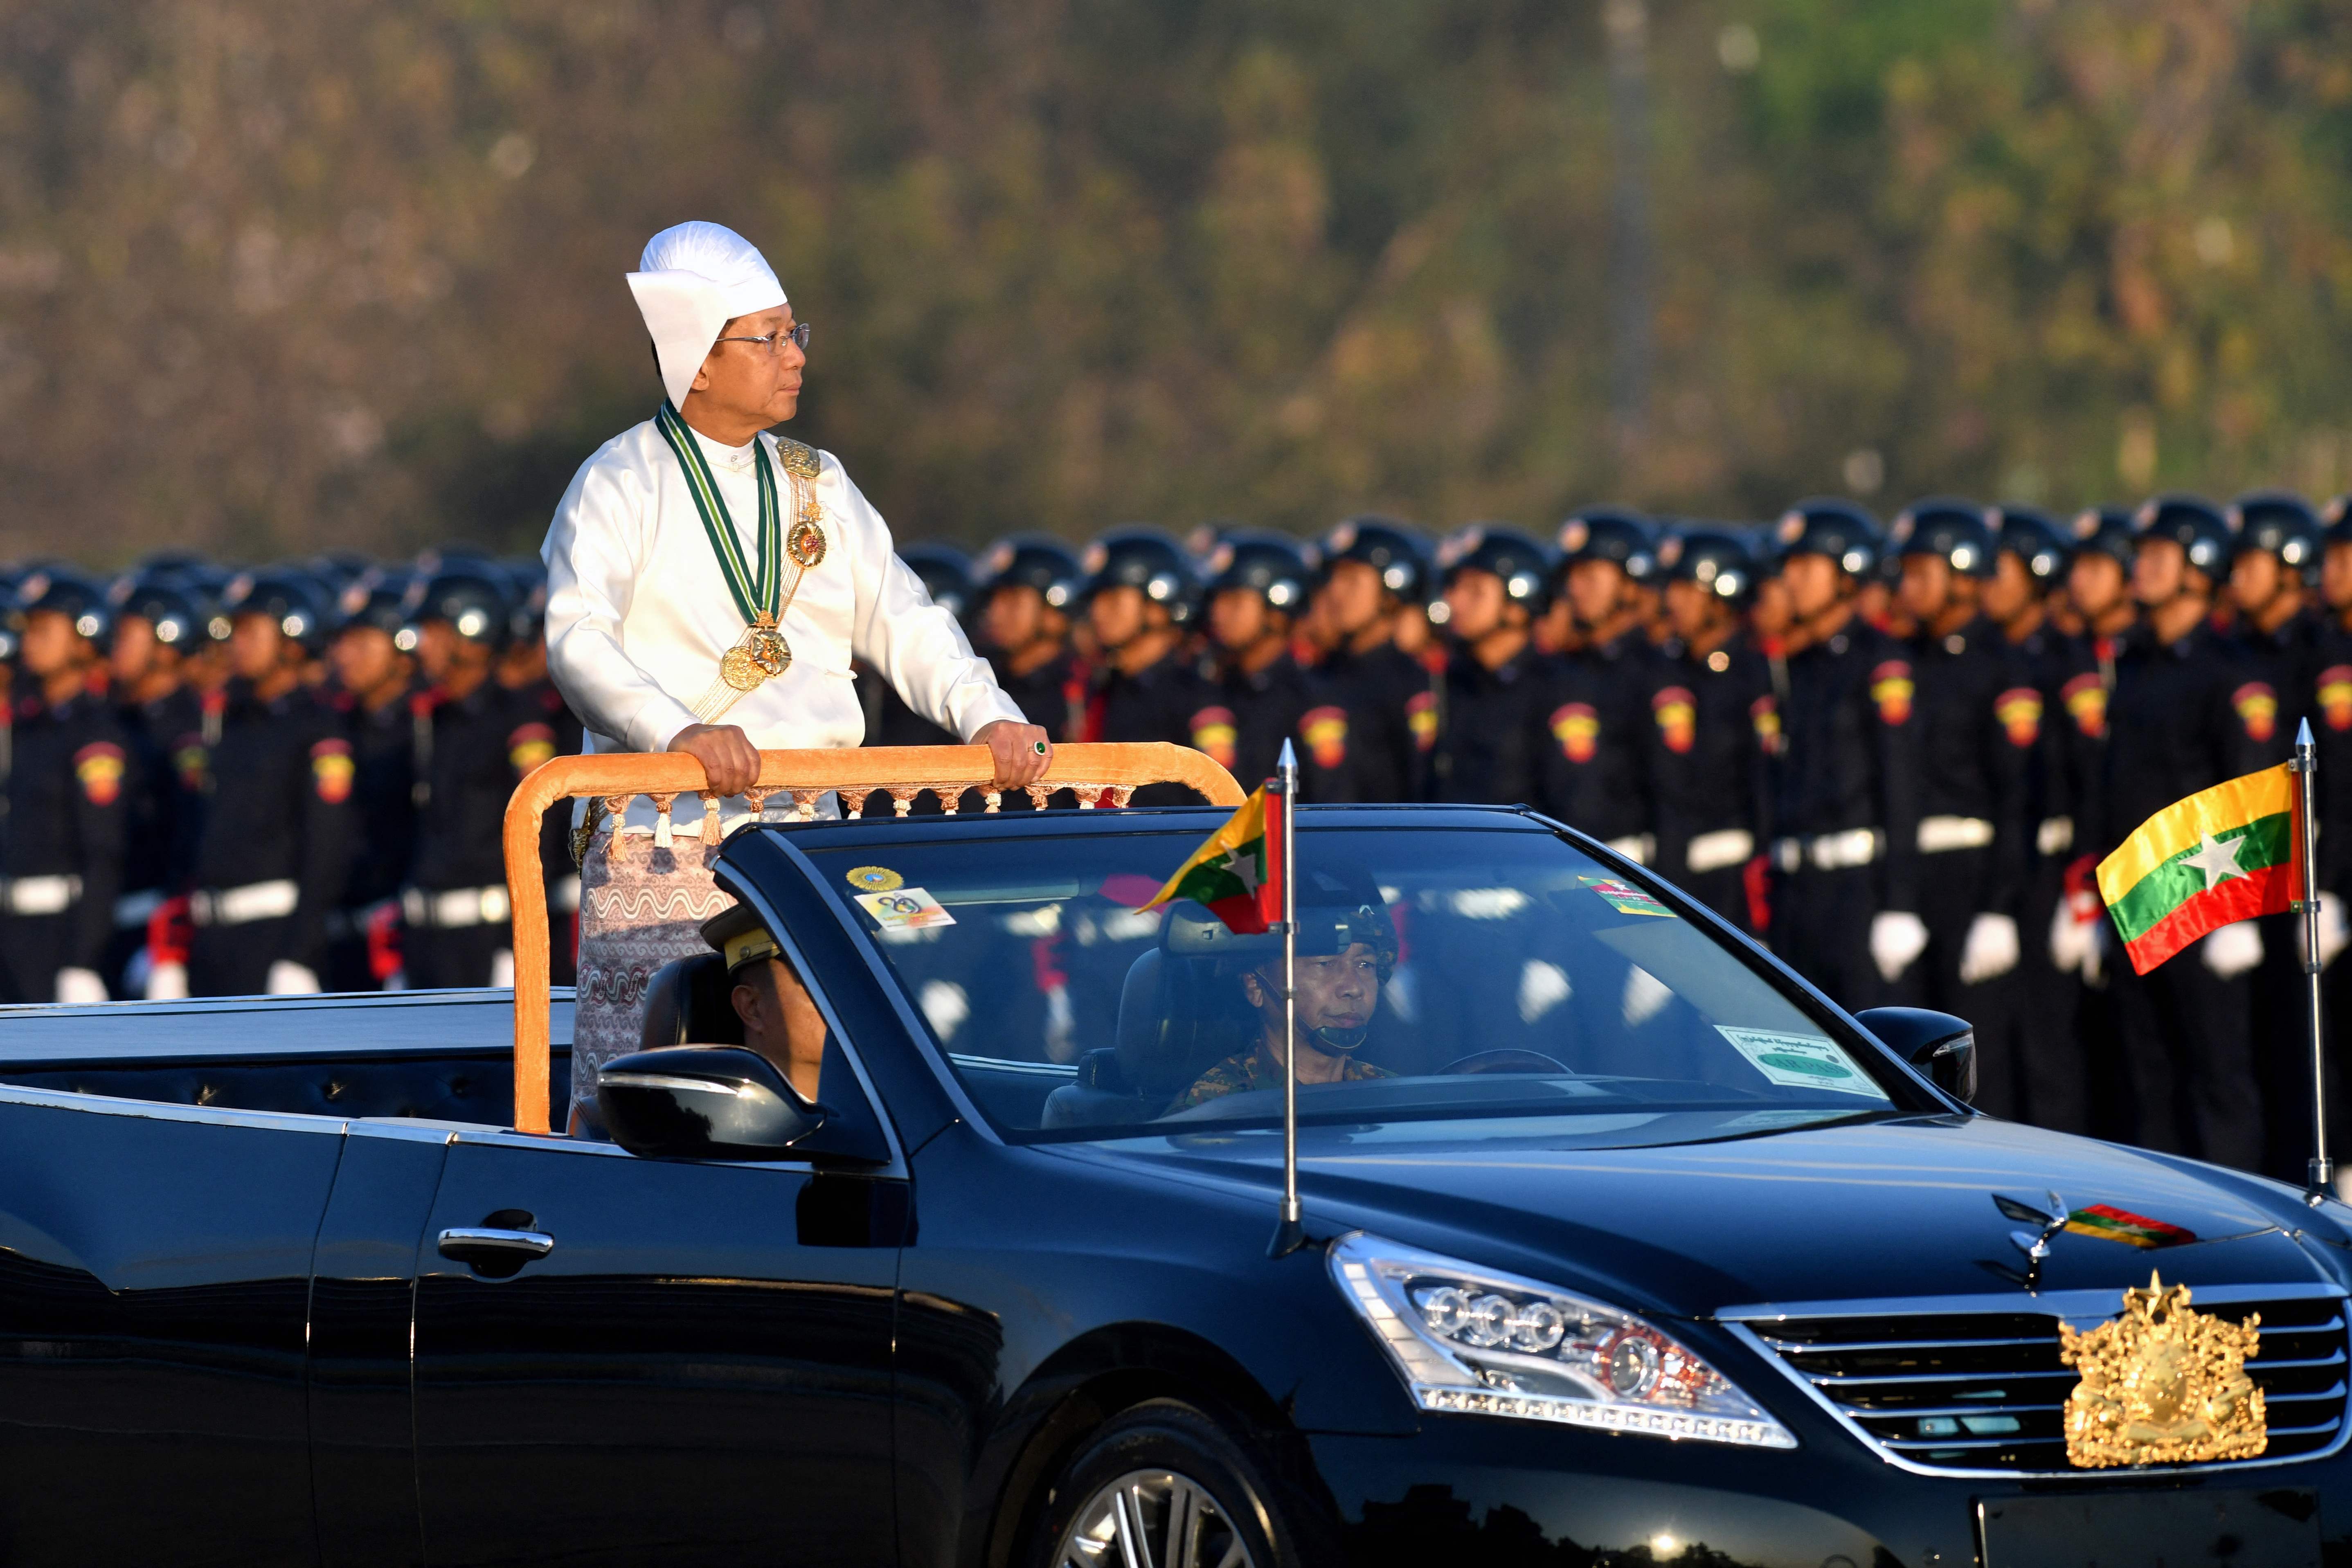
276,276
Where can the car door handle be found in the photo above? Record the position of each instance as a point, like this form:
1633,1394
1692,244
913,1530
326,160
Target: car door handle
487,1249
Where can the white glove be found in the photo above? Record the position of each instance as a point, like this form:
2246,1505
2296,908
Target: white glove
290,979
502,970
78,985
1990,951
167,983
2335,932
2071,940
2094,962
1897,938
2232,949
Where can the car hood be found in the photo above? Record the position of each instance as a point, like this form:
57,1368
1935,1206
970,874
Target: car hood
1840,1212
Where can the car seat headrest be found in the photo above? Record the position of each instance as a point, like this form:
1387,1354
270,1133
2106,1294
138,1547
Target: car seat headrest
1177,1017
690,1002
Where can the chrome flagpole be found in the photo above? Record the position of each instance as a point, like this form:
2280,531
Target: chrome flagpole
2305,768
1289,1234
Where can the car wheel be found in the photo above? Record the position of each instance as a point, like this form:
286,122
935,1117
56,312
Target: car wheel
1162,1484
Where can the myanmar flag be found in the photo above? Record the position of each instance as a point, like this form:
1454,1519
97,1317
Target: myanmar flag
1238,872
2224,854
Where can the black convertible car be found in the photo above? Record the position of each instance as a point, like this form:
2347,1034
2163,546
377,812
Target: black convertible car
1623,1246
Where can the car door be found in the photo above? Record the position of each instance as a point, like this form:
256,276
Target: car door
154,1271
622,1360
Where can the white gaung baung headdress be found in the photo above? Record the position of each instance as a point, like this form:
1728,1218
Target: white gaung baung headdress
692,280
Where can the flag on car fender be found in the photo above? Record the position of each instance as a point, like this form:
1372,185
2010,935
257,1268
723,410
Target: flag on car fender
1237,873
2224,854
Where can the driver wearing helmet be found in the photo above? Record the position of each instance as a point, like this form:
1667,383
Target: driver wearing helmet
1347,950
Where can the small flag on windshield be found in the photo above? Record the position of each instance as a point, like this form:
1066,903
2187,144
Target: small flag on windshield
1237,873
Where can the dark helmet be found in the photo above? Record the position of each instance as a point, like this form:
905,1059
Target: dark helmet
1524,566
301,609
169,609
379,600
1032,560
527,583
1200,540
946,572
2034,540
2280,522
2105,530
2192,522
1144,558
2337,515
1386,545
472,596
70,593
1268,564
339,569
1825,525
1953,531
1608,533
1717,560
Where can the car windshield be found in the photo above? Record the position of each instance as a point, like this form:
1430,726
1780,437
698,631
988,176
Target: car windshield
1443,974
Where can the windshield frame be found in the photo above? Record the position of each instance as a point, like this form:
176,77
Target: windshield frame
1909,1093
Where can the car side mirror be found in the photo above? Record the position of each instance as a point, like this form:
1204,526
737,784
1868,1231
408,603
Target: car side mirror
704,1102
1937,1044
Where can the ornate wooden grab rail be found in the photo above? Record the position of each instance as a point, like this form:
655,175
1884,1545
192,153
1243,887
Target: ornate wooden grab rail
1091,772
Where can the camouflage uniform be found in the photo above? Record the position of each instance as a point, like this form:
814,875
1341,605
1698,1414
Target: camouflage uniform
1247,1070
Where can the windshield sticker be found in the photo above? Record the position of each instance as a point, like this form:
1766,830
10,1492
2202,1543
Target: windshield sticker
1625,898
874,880
905,909
1801,1062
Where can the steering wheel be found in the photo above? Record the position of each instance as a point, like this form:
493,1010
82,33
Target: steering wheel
1509,1059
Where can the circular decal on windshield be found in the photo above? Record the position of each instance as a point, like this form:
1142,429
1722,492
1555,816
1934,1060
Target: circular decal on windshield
876,879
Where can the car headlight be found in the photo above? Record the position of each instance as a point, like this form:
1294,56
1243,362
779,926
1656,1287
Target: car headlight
1475,1342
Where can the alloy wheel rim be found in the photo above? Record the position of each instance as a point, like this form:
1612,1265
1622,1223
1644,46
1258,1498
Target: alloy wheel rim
1151,1518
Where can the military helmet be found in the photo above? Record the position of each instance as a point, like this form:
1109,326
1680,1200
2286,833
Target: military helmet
1032,560
1523,564
1716,559
1270,564
298,607
379,599
2280,522
946,572
1827,525
170,610
1609,534
82,602
1955,531
527,578
470,595
1388,546
2105,530
2192,522
2336,516
339,569
1144,558
2034,540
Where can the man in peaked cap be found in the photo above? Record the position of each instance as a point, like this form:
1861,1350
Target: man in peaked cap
709,584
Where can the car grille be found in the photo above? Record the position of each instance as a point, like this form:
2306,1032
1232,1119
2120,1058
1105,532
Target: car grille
1986,1390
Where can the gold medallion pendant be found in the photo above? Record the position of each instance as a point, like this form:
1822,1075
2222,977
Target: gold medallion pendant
760,654
2163,1385
806,544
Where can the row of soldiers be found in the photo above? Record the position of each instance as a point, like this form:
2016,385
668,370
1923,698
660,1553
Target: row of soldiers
1892,753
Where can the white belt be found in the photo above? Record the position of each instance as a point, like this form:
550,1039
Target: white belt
564,895
1828,851
133,910
1639,848
2055,836
242,906
38,895
455,908
1724,847
1941,834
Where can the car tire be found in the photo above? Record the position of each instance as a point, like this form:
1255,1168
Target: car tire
1153,1470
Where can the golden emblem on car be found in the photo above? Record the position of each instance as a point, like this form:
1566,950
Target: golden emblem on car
2163,1385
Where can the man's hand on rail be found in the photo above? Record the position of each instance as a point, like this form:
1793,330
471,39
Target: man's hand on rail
1020,751
729,759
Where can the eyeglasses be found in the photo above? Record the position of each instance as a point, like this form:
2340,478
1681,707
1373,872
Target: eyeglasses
798,336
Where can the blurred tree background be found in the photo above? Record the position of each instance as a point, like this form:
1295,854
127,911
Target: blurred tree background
278,274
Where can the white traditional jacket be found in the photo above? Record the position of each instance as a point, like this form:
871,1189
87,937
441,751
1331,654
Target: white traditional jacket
638,613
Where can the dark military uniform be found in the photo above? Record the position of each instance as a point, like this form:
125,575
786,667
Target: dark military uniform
276,846
1052,696
160,835
1245,1071
2185,717
1978,717
1245,716
1593,753
455,914
566,735
1390,705
2052,1072
1156,703
67,821
1846,810
363,939
1714,723
1485,751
